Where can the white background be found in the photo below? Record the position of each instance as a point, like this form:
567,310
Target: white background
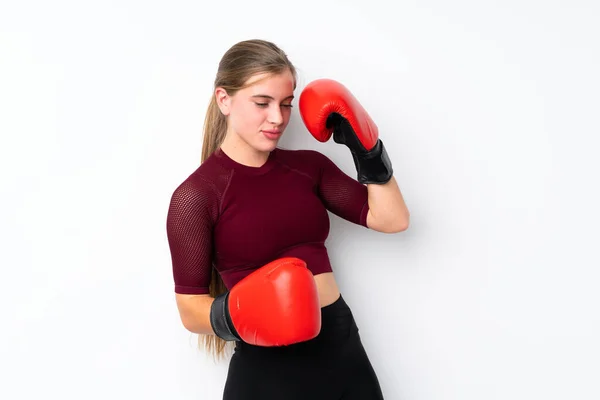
489,111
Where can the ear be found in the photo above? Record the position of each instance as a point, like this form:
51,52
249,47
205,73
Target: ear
223,100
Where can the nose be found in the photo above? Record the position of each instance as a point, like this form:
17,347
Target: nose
275,116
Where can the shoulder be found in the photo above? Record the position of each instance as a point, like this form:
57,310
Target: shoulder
200,189
301,157
309,161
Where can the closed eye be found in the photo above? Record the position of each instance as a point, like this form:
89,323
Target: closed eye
263,105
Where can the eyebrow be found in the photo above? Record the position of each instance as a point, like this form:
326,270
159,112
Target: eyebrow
271,97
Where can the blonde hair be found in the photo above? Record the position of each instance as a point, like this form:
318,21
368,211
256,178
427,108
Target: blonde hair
242,61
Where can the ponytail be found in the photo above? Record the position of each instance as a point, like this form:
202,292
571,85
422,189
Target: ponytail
215,127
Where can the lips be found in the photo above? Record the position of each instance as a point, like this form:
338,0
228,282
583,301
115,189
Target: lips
272,134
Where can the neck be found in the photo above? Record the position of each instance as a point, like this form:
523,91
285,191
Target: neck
241,152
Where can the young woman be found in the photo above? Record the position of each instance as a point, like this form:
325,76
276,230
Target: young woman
247,230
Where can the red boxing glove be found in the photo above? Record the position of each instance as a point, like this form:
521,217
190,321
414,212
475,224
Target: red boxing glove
327,107
276,305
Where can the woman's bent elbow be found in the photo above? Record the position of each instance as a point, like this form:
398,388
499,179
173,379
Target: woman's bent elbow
196,327
398,225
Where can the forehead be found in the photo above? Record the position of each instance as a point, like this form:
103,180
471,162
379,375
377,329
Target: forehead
282,84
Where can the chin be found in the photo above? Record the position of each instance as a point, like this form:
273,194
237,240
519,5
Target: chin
270,148
267,146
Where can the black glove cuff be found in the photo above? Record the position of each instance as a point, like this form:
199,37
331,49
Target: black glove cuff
220,319
373,166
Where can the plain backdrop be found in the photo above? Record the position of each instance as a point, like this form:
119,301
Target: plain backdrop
489,111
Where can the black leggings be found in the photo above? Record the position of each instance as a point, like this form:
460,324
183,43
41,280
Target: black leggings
333,366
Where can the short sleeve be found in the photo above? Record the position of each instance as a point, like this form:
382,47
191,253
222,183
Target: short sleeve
190,219
341,194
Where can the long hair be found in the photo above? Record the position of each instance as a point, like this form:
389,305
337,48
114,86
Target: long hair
242,61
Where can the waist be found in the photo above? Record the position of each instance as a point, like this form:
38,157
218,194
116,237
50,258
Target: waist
327,289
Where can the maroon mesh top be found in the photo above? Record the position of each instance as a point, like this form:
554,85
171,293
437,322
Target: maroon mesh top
239,218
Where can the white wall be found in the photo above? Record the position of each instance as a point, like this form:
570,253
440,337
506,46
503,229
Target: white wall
490,114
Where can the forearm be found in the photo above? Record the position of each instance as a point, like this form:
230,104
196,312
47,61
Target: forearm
388,212
194,311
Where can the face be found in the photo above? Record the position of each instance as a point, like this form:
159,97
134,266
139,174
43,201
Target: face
258,114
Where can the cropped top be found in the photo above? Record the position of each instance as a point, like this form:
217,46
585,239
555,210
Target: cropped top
238,218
